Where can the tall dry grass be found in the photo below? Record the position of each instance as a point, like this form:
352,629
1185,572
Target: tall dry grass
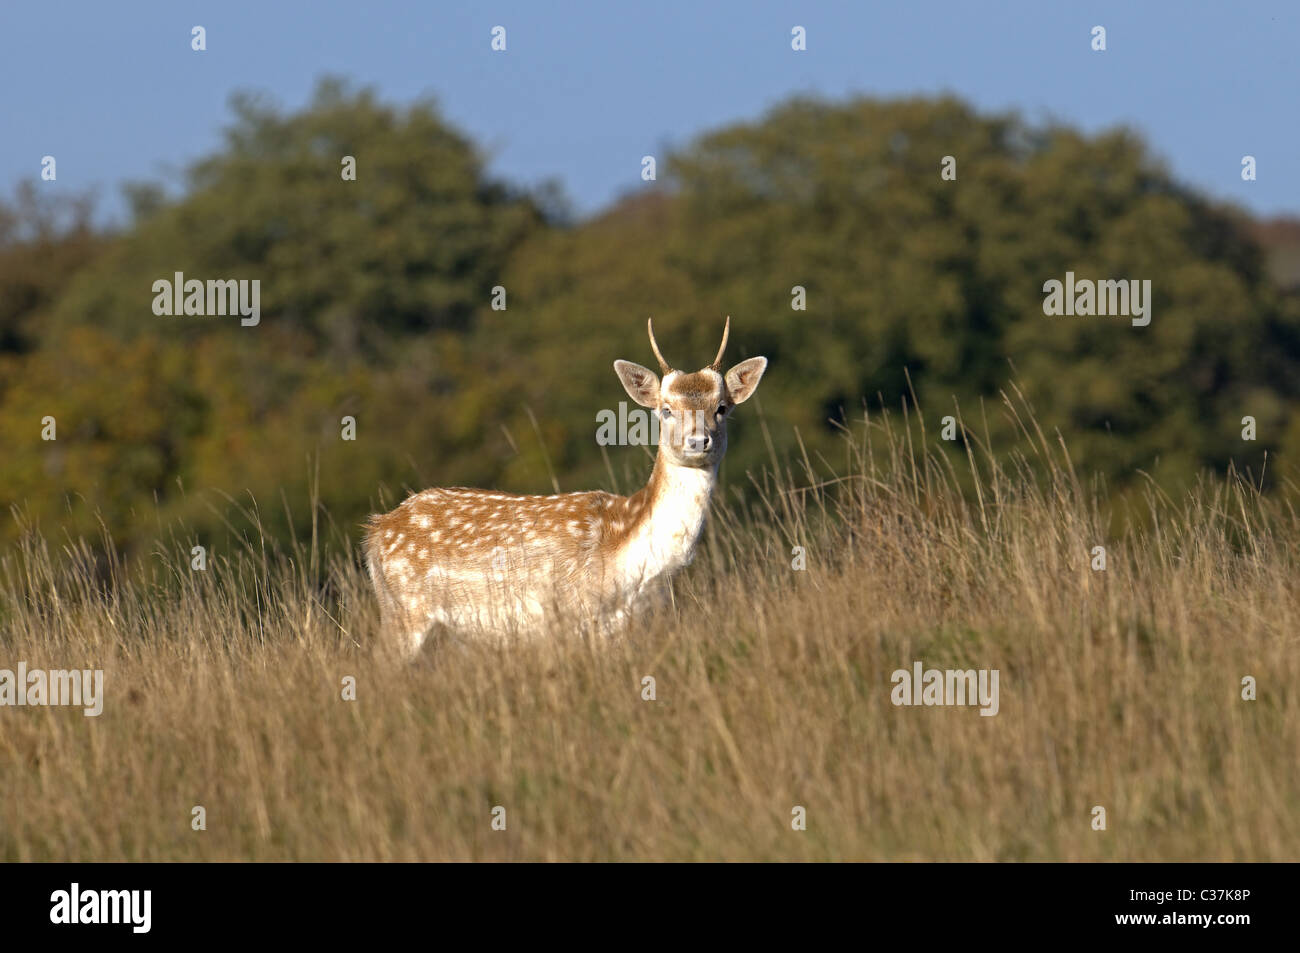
1118,688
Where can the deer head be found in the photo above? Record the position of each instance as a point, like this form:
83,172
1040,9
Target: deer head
693,408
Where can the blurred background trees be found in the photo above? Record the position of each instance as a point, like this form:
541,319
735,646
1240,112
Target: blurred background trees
376,303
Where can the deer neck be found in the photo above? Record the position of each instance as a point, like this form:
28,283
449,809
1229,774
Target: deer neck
670,513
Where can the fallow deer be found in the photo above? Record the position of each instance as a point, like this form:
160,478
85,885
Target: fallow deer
480,563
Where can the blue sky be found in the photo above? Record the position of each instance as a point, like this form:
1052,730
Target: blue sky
115,93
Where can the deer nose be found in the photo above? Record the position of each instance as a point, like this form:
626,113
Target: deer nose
698,443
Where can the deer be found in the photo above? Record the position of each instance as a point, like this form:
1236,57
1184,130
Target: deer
482,564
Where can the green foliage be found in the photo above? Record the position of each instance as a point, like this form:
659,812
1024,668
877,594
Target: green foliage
43,241
945,278
411,246
908,274
368,288
375,304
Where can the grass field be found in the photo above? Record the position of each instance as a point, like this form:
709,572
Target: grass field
1118,688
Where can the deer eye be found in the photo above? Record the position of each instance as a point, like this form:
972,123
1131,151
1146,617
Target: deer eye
722,409
666,413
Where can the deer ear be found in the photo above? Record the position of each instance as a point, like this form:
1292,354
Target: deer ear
640,383
742,380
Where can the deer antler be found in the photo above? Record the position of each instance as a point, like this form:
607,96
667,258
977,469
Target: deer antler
663,365
717,361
